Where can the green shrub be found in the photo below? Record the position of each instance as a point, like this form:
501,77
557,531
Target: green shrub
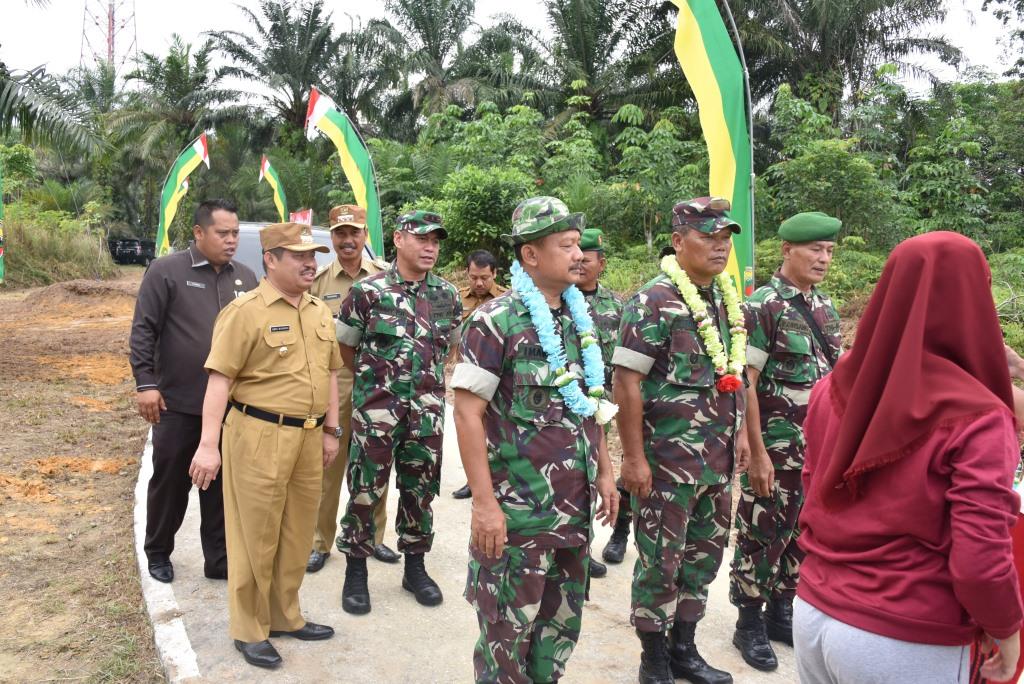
44,247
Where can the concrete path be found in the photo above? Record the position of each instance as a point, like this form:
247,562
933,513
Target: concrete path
401,641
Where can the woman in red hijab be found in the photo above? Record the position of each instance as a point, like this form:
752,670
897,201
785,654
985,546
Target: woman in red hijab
911,450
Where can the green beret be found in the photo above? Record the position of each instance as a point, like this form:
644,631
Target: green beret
592,240
810,226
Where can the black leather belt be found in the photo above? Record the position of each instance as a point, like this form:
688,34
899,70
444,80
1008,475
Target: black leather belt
308,423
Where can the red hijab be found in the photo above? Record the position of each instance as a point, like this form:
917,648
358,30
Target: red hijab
928,353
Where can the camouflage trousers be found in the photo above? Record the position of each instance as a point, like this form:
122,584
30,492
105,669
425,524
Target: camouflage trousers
417,462
681,531
529,603
767,561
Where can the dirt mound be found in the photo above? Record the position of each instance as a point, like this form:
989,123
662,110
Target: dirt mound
74,291
100,369
31,490
48,467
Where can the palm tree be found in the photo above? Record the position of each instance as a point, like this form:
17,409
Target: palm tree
291,49
369,67
35,103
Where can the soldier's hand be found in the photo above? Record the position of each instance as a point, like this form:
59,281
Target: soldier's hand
761,473
150,403
609,511
205,466
636,477
742,452
488,527
330,449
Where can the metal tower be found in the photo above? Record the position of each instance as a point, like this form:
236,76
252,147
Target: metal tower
108,32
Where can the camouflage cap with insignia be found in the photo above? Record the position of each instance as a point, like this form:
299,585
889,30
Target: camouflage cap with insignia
706,214
538,217
295,237
592,240
421,222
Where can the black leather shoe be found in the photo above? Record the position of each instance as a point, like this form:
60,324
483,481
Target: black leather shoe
217,574
385,555
597,569
752,641
615,549
462,492
355,595
686,662
260,653
162,571
316,560
416,580
309,632
778,620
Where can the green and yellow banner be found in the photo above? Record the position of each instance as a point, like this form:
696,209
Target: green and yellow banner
715,74
269,174
175,187
324,116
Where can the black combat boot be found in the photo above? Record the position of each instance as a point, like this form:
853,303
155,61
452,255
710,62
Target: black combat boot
752,642
355,596
686,662
778,618
654,667
615,549
418,581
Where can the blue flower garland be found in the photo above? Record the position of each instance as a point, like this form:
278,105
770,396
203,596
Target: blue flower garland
593,364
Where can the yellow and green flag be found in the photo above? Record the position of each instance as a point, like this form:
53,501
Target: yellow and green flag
175,187
324,116
715,74
269,174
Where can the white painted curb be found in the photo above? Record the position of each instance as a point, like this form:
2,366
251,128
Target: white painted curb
172,643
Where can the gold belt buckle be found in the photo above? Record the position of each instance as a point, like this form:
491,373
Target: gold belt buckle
309,424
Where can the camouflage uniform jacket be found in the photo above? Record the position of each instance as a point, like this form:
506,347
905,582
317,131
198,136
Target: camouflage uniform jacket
782,346
606,310
543,457
401,332
689,426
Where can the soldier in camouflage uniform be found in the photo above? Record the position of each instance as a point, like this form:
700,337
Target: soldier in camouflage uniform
680,437
786,356
394,328
606,310
535,467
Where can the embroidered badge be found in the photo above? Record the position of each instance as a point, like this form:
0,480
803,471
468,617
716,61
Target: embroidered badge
192,283
280,328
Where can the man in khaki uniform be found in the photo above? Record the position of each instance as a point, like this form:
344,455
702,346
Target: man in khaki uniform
482,268
348,234
274,361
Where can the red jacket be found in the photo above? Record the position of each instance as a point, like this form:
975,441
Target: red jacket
924,554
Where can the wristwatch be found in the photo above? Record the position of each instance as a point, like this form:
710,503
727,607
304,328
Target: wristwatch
335,430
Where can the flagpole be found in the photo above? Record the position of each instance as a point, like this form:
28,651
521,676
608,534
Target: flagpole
750,114
376,187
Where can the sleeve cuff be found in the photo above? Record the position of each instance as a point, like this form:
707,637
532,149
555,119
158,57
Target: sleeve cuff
480,382
633,360
143,388
756,358
347,335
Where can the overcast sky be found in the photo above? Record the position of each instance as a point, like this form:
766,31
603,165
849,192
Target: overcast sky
31,36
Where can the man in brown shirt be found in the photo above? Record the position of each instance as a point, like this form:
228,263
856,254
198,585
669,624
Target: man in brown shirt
483,268
348,235
179,299
274,361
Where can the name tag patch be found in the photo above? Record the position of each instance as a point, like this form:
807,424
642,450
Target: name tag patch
280,328
192,283
334,295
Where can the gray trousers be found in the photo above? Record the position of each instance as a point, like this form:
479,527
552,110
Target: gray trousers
832,652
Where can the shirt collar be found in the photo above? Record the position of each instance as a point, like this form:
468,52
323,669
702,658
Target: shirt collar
337,270
271,294
395,278
199,260
786,289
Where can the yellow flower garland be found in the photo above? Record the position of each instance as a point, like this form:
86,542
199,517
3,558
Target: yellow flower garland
736,361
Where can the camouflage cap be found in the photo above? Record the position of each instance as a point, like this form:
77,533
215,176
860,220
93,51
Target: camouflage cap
592,240
421,222
538,217
810,226
706,214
